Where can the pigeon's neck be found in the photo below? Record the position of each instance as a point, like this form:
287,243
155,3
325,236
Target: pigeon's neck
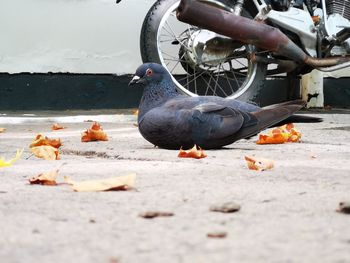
155,95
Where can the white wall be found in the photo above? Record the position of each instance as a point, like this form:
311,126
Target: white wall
79,36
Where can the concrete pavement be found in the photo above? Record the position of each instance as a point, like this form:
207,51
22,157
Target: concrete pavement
287,213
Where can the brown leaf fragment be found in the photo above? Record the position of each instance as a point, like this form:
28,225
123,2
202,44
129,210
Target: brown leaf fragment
57,126
46,178
114,260
195,152
2,130
46,152
95,133
121,183
259,164
41,140
153,214
228,207
217,235
344,207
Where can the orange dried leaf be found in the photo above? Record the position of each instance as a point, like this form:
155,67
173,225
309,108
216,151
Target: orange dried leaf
57,126
41,140
135,112
110,184
46,178
46,152
275,138
95,133
282,134
192,153
259,164
2,130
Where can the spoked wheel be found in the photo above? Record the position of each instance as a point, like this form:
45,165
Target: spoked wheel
200,61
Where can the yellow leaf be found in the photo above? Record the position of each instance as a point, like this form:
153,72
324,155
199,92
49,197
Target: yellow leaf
110,184
4,163
46,152
2,130
46,178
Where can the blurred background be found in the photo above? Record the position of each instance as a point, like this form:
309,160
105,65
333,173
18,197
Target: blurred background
79,54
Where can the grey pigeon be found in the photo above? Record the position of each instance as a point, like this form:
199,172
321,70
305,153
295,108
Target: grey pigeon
170,120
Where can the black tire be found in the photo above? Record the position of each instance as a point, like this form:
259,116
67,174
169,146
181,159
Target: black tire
150,52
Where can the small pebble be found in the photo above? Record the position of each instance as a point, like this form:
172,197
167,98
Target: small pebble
344,207
229,207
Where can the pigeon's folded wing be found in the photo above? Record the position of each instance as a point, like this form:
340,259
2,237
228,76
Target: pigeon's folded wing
210,121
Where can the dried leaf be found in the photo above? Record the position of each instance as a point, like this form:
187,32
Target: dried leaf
4,163
46,152
282,134
57,126
41,140
46,178
110,184
2,130
259,164
153,214
217,235
135,112
192,153
276,138
95,133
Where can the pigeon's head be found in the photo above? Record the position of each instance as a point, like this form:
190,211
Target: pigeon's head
150,73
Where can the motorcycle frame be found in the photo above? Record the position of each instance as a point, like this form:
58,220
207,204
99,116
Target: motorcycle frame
262,35
294,19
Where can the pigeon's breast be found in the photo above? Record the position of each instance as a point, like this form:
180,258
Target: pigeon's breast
165,129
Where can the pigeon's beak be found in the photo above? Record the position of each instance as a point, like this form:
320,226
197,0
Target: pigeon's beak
136,80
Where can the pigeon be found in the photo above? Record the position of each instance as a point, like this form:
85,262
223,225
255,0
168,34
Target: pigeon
170,120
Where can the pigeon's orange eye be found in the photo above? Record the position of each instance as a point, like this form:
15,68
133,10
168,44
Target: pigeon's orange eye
149,72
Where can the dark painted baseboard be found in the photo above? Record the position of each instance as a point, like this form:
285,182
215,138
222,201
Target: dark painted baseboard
66,91
337,92
61,91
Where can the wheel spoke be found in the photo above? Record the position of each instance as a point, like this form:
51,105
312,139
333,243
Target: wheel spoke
228,81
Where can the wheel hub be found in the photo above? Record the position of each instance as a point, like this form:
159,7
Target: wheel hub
207,49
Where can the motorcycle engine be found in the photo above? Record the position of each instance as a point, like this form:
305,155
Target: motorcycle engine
338,12
341,7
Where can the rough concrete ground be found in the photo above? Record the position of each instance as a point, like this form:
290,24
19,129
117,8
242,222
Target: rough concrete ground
287,215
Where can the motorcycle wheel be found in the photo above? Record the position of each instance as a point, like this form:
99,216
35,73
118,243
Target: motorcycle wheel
174,44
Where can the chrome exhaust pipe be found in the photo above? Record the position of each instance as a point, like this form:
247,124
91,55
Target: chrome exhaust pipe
248,31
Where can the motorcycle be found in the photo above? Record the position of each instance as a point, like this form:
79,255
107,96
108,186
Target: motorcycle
229,47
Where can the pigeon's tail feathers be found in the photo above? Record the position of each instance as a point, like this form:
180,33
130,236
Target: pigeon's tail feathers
267,118
300,119
290,102
294,118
